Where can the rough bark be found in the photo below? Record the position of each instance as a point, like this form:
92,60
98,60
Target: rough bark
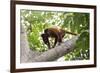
25,52
57,52
28,55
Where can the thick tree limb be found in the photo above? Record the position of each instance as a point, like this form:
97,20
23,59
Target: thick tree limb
57,52
28,55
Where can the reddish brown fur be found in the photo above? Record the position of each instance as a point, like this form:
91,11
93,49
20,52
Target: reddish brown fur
56,33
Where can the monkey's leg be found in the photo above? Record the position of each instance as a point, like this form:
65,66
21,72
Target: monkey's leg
48,44
60,39
55,42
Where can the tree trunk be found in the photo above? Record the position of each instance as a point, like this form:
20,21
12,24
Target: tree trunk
53,54
25,53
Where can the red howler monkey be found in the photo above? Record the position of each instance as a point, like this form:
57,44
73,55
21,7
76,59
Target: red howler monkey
56,33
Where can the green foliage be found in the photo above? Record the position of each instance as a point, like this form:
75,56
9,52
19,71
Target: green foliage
36,21
82,45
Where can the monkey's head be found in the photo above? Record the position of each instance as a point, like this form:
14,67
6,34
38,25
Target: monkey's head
45,38
47,32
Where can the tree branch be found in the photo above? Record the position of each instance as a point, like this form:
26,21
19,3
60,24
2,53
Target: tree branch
26,53
57,52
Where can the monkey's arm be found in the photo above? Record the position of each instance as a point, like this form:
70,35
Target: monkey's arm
46,40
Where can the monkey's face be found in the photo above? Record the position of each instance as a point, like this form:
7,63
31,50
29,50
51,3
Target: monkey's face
45,38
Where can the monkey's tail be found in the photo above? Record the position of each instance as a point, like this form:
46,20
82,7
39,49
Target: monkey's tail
68,32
